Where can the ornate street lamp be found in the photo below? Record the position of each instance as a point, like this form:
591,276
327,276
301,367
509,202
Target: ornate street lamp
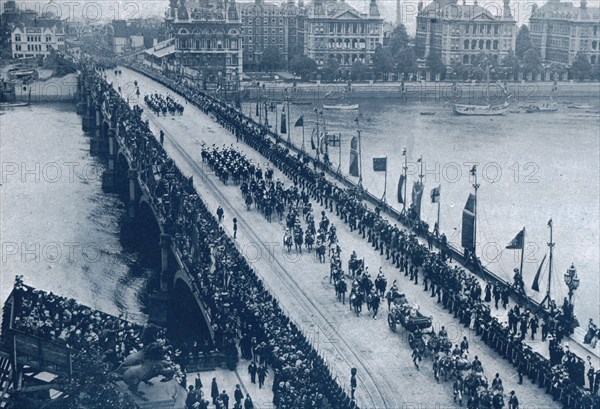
572,281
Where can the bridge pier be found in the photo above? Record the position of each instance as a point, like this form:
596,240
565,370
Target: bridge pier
132,176
86,107
165,248
109,176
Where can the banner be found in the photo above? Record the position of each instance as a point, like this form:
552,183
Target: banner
400,186
354,157
468,223
536,281
417,194
518,243
283,121
380,164
257,111
312,141
299,122
435,194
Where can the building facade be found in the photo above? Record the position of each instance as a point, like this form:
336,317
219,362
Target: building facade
458,32
271,25
39,37
334,29
207,37
559,30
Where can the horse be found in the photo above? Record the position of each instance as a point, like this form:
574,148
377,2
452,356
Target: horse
321,250
356,300
380,285
309,239
288,241
475,380
298,239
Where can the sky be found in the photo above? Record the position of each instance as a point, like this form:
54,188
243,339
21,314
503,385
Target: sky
106,10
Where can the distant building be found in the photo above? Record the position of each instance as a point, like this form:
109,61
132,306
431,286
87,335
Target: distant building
560,30
271,25
335,29
37,38
133,35
388,30
458,32
207,37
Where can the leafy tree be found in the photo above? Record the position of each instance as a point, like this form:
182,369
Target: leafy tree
477,73
511,64
435,64
557,69
399,40
532,62
383,61
331,70
271,59
460,71
581,68
359,70
406,60
523,42
303,66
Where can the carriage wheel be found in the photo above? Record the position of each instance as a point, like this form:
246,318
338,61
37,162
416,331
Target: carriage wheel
411,340
392,323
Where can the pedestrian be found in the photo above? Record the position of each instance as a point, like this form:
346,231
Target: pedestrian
162,137
214,391
513,402
238,395
220,213
248,402
190,400
198,382
464,345
375,301
235,228
262,374
416,356
252,371
353,383
225,399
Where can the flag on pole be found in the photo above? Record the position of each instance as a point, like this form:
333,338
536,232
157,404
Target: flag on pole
468,223
380,164
354,157
536,281
550,223
257,112
518,243
400,186
417,194
283,121
299,122
435,194
312,141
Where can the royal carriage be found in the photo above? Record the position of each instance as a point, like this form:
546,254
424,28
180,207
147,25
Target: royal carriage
411,319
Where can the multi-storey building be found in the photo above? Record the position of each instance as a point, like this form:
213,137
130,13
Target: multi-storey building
207,37
560,30
37,38
334,29
458,32
271,25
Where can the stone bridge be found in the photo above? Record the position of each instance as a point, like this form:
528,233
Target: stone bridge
176,299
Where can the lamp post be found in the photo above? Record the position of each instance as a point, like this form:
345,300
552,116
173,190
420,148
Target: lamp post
572,281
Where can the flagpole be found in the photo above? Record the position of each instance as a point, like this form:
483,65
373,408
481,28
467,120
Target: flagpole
318,153
438,209
358,131
339,169
476,187
289,116
551,246
522,252
383,199
405,168
303,135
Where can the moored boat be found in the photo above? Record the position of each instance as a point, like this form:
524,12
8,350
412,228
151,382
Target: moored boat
480,110
427,113
581,106
545,107
341,107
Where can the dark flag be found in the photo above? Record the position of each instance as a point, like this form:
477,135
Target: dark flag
417,194
283,121
380,164
400,186
468,223
257,112
312,141
435,195
354,157
299,122
518,243
536,281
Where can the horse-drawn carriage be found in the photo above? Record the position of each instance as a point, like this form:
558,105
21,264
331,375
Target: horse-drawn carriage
410,318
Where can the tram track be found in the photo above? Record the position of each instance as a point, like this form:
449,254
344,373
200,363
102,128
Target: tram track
374,382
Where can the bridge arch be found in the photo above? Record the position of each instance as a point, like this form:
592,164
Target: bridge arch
188,318
122,176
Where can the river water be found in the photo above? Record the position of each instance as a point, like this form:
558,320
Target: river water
531,167
58,228
62,232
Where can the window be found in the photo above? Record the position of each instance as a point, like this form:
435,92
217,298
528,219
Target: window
18,47
48,39
17,37
466,44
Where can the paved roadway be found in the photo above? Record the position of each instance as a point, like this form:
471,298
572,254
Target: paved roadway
387,378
